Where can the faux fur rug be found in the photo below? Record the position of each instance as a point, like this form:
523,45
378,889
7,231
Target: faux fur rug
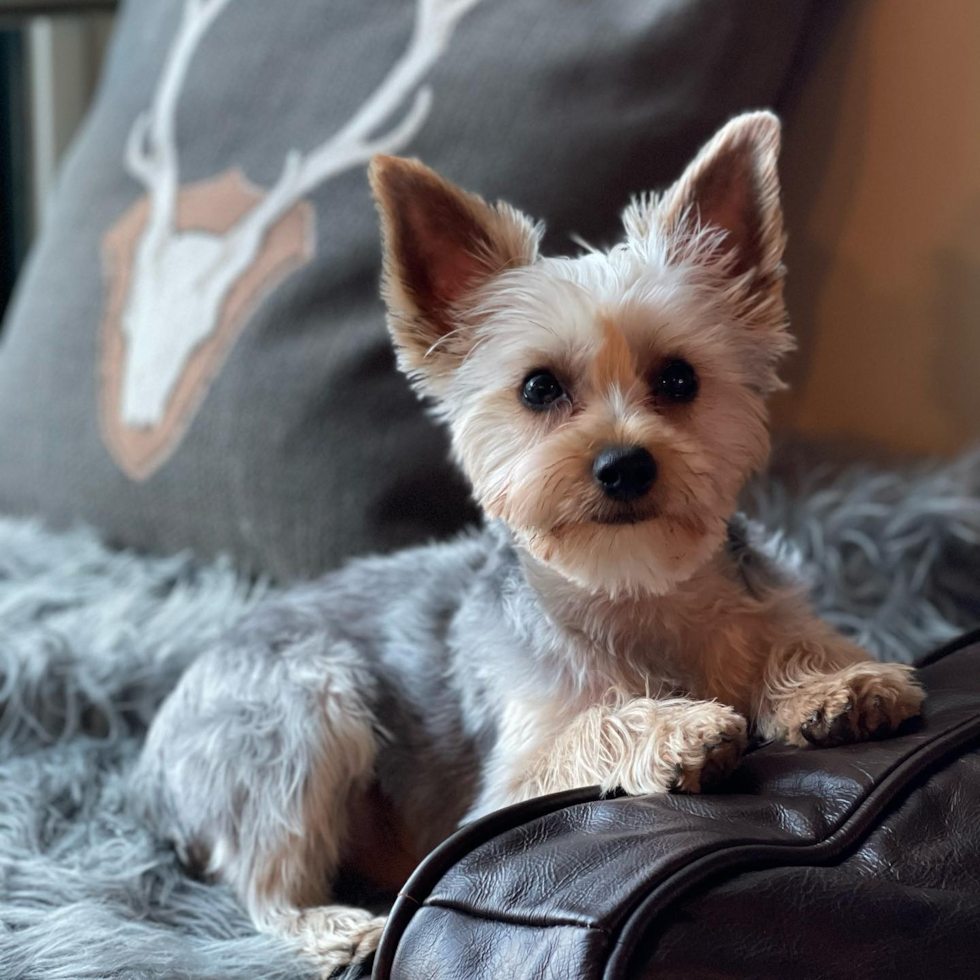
92,640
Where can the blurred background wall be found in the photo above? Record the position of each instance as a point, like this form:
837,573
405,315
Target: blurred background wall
882,190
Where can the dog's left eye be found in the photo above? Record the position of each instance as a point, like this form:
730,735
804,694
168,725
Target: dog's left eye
678,381
541,389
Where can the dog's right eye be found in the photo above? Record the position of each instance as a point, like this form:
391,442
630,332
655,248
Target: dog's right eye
541,389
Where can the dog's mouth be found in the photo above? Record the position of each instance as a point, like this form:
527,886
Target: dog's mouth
622,515
627,515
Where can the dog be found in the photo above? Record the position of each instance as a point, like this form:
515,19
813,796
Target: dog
613,623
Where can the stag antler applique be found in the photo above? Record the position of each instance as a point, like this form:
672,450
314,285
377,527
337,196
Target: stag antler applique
183,278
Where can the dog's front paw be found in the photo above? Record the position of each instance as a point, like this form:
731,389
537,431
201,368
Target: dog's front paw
689,746
706,747
865,700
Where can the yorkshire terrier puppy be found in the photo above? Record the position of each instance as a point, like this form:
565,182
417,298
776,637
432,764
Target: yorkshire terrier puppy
614,623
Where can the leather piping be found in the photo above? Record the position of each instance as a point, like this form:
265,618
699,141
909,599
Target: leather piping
736,857
960,643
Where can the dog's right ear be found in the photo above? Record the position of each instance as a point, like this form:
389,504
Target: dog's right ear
441,245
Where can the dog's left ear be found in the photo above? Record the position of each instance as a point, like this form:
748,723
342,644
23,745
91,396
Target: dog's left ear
732,187
441,245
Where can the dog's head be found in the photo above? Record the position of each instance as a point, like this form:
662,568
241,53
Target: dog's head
607,407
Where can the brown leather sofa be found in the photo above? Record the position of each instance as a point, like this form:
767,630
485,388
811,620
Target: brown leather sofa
861,861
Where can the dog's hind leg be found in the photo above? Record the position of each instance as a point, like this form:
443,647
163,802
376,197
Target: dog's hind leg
288,889
249,769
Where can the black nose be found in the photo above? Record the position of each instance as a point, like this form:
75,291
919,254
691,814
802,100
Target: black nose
625,473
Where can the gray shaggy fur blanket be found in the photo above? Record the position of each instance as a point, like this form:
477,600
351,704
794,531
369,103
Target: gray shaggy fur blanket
92,640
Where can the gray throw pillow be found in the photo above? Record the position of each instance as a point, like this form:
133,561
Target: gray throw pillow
196,354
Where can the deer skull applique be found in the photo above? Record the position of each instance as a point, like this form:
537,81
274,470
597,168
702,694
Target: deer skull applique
186,265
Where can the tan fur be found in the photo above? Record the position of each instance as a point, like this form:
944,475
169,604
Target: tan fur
641,745
734,658
614,365
807,701
289,887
